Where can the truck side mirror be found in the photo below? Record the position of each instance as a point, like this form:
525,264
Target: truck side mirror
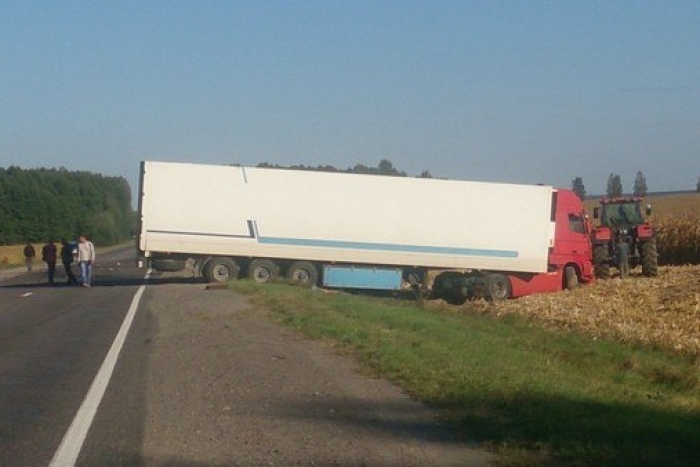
596,213
648,210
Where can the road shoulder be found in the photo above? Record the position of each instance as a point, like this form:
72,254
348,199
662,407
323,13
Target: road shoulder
225,386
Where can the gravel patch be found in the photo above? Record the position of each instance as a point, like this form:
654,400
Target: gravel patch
227,387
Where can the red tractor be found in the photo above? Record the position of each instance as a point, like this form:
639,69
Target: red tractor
623,219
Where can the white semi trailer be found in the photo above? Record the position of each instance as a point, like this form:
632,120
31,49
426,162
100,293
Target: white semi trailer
362,231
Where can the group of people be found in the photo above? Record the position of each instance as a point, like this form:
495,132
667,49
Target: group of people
83,252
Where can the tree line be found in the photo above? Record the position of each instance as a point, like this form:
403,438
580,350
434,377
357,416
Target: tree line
614,186
385,167
38,205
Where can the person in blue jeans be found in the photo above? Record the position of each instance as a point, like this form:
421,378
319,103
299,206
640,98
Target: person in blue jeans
86,256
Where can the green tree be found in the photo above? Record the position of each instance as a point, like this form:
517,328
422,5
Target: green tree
578,187
640,184
614,185
385,167
41,204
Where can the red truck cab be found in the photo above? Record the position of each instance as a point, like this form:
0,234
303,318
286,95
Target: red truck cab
570,255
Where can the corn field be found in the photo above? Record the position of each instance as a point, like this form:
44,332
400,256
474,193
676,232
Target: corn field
678,239
660,312
676,221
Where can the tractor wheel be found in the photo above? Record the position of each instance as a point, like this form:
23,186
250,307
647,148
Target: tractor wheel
601,267
649,259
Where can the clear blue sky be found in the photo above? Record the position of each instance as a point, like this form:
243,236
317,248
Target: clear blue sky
513,91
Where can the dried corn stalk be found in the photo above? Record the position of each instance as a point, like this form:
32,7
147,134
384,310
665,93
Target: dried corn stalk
662,312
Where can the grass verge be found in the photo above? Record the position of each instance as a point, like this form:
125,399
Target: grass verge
535,396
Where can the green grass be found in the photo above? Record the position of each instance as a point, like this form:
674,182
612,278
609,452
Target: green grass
535,396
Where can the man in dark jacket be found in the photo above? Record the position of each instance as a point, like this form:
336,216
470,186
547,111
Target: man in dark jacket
48,254
67,252
29,255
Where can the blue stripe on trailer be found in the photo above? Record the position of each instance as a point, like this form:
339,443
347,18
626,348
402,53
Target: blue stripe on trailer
388,247
360,277
252,231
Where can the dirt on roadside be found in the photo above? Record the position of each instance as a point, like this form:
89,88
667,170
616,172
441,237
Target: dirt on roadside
227,387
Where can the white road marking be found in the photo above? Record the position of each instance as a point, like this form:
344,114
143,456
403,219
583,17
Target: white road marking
72,443
27,294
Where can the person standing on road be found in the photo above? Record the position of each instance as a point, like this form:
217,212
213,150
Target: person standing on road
29,255
86,255
48,254
67,252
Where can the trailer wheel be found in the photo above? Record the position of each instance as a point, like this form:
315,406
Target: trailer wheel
451,287
570,277
263,270
498,287
303,272
220,270
168,265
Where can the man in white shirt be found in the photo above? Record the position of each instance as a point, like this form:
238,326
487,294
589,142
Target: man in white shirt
86,255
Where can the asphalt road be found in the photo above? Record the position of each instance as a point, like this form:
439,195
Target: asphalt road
202,380
52,341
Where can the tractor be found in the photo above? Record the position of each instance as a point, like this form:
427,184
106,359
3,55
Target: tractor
623,219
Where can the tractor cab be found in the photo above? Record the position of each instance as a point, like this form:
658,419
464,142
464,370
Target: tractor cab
621,212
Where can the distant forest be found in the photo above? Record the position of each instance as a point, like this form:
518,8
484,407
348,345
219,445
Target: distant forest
41,204
384,167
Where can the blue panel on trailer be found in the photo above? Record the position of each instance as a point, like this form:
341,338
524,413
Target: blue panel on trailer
356,277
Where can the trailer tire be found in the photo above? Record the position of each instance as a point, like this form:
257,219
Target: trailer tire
303,272
498,287
263,270
220,270
570,278
168,265
601,267
451,287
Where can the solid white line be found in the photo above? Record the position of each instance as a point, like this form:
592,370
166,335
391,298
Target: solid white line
72,443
